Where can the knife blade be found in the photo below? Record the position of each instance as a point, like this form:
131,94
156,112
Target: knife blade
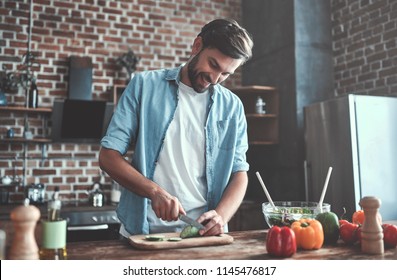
190,221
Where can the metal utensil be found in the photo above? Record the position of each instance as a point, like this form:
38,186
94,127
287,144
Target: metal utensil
190,221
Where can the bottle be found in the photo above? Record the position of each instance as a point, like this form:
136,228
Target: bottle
53,254
115,193
54,206
33,95
49,249
54,232
26,132
260,106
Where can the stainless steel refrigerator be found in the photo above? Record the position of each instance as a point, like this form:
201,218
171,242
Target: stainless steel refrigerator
357,136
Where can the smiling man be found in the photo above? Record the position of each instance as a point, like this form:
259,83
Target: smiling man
190,136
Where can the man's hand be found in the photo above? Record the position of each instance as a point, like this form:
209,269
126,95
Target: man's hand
213,223
166,206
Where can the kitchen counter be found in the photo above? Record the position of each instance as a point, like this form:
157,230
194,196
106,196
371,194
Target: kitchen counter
247,245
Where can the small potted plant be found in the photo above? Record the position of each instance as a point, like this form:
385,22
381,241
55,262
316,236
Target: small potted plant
128,60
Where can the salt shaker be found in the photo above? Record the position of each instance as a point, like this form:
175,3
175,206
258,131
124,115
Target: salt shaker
24,246
371,232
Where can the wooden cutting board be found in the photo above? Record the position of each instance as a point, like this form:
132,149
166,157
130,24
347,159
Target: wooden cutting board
140,242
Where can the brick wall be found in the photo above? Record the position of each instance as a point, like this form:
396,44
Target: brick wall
365,46
160,32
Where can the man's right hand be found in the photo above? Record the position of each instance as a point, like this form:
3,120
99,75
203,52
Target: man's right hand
166,206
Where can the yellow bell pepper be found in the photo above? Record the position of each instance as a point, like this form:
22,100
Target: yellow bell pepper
309,234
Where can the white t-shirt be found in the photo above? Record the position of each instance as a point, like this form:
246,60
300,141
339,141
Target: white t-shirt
181,165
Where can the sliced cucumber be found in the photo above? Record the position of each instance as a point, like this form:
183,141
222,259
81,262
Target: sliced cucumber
190,231
174,239
155,237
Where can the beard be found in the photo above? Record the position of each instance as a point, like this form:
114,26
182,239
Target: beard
194,75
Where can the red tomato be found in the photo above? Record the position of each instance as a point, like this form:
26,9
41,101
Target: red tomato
389,235
349,233
281,241
341,222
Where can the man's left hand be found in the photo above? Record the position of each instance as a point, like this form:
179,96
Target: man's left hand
213,223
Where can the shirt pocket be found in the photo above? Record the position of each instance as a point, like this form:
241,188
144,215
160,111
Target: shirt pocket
226,131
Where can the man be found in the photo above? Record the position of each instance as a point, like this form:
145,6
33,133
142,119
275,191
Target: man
190,136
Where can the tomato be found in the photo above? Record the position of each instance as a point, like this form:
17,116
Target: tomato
281,242
341,222
389,235
350,233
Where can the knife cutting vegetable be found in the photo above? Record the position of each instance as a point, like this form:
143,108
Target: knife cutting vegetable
191,221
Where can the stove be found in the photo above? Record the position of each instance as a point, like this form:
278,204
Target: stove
87,223
89,218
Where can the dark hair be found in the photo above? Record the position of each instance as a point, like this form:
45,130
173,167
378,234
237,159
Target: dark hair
229,37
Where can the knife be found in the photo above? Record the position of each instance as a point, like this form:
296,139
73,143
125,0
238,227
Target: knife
190,221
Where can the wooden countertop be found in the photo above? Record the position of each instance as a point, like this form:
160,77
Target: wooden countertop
247,245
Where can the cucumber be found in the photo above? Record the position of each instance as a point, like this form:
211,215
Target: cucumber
190,231
174,239
155,237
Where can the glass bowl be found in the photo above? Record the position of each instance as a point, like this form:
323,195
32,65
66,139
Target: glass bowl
287,212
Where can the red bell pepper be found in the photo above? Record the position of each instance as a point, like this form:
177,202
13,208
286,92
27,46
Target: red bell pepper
281,242
350,233
389,235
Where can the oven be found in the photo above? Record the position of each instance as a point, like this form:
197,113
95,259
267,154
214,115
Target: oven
91,225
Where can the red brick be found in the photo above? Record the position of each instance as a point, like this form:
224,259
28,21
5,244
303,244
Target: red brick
102,30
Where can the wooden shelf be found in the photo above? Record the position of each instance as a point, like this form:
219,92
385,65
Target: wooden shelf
262,142
262,128
23,140
261,116
25,110
252,89
9,185
20,109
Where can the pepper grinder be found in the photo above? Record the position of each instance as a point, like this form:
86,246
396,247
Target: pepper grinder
371,232
24,246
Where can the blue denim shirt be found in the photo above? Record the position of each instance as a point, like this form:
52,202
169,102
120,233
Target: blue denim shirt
143,115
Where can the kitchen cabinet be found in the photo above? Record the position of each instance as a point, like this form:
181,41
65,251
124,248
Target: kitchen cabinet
249,216
262,128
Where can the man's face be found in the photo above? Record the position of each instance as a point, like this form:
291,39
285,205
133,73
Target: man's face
209,67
